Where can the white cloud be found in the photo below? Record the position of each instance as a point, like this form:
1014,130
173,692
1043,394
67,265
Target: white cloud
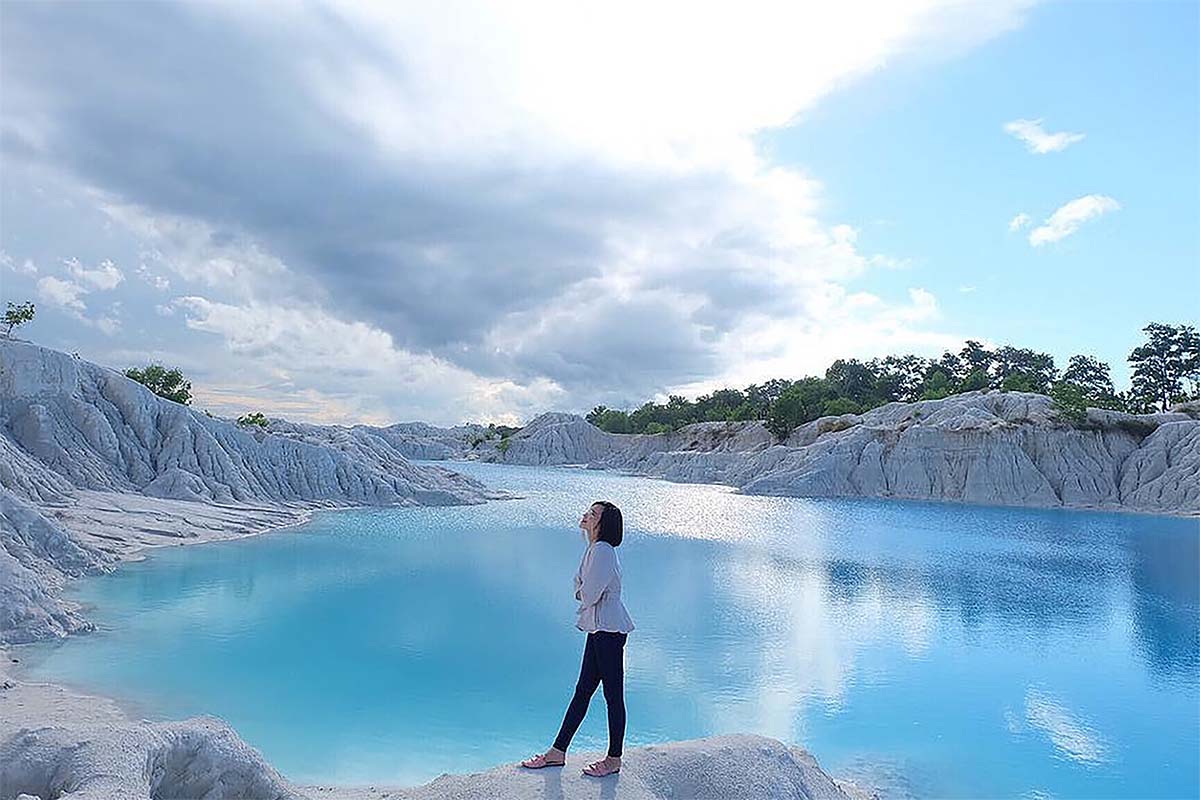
1037,140
497,78
104,277
26,267
351,371
68,294
61,293
488,182
108,325
1019,221
153,278
1067,219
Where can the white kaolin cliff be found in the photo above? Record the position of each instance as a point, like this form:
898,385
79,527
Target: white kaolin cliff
988,447
94,465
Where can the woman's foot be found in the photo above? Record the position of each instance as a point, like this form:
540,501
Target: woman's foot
551,758
605,766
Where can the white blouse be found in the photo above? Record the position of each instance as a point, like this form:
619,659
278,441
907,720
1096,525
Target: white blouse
598,590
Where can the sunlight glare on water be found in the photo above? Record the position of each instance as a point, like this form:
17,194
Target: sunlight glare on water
927,649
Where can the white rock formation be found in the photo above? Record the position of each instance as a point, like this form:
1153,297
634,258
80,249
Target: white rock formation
94,466
989,447
57,743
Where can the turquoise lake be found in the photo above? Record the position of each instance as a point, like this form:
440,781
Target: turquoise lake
928,649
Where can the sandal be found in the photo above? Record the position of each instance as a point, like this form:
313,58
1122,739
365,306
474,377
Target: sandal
539,761
598,769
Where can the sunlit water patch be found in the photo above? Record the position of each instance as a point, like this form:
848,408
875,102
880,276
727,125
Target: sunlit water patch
931,649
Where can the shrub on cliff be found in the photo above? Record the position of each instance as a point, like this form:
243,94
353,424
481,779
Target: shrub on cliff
168,383
16,315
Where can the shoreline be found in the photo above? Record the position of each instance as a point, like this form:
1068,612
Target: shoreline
1073,508
27,703
69,705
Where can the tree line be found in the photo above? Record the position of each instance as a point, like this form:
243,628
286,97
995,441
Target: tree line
1166,370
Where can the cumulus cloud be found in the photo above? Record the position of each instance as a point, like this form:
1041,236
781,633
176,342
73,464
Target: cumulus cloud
1068,217
1038,140
62,293
1019,221
153,278
354,367
68,293
104,276
26,267
516,209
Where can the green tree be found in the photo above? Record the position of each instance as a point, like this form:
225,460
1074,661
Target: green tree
1019,382
936,386
976,358
803,402
763,397
17,315
168,383
840,405
255,419
951,366
852,380
657,427
1163,364
1037,368
977,379
612,421
1093,379
1069,401
898,377
744,413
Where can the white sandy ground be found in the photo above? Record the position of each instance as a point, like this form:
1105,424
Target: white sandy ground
56,742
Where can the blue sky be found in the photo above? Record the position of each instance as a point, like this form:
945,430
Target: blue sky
918,158
466,211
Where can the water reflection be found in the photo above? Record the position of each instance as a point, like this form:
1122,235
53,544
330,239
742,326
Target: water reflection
1002,651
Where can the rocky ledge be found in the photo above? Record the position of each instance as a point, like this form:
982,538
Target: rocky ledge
56,744
987,447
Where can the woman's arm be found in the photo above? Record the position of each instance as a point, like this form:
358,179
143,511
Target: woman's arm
597,574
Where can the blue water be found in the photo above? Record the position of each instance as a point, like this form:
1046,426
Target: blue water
930,649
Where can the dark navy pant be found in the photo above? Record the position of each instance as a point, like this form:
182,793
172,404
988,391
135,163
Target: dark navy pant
603,662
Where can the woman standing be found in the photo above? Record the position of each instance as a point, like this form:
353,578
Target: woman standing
603,616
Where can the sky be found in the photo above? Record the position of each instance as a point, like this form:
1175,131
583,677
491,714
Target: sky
480,212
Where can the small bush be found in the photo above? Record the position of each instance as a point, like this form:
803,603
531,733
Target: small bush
256,419
167,383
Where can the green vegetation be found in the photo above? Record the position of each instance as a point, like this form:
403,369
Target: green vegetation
503,445
1162,366
1166,370
168,383
494,431
256,419
17,315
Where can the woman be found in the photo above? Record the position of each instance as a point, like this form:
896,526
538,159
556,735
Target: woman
603,616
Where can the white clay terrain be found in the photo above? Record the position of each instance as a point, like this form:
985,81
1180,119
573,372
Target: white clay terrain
985,447
95,469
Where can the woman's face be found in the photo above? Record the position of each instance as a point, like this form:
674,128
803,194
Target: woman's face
590,523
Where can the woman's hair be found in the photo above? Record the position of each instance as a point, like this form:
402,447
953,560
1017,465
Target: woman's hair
612,526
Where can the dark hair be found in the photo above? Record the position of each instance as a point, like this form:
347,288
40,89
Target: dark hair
612,526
